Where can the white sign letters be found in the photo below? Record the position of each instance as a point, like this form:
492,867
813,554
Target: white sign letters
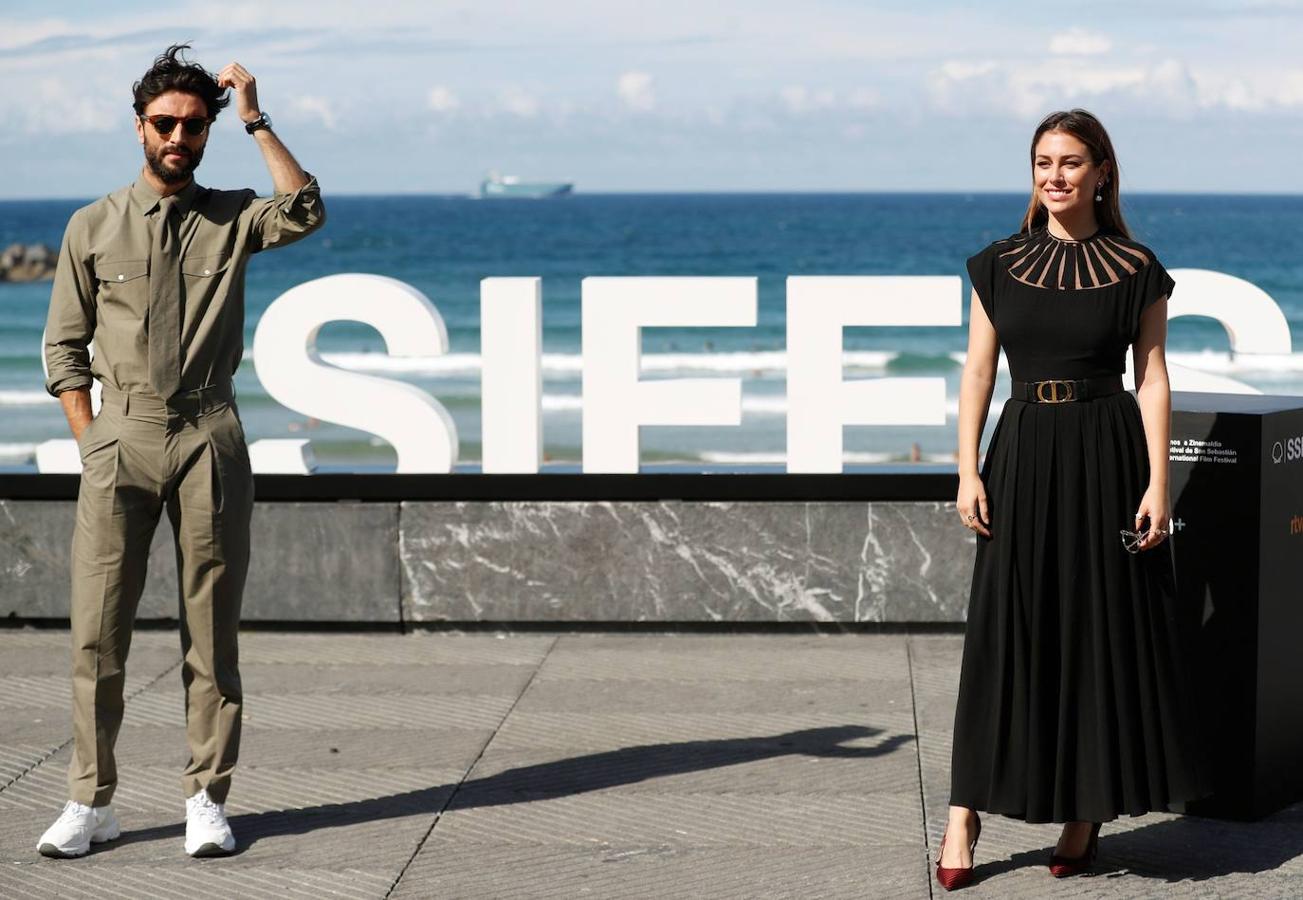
819,402
511,387
291,371
1253,323
617,402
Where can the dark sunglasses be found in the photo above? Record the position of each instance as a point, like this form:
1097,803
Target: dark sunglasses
165,125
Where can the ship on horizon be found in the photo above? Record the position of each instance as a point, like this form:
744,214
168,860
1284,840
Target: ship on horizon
495,186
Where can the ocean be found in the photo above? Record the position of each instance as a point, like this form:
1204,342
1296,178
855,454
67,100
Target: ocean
444,245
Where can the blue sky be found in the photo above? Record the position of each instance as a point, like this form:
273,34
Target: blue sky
401,97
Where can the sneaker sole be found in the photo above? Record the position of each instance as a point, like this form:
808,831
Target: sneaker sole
52,852
211,850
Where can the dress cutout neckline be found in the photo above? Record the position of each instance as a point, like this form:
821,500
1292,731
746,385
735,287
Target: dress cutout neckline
1041,260
1094,234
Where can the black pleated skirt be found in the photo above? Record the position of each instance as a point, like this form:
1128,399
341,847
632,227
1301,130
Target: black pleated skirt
1074,699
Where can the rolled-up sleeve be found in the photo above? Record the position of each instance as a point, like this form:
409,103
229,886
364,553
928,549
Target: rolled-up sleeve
70,325
285,218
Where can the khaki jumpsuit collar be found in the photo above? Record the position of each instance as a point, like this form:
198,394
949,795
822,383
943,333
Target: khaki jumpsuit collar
146,199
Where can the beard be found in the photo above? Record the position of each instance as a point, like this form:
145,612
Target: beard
173,174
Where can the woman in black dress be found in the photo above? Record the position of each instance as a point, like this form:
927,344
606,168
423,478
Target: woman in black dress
1073,705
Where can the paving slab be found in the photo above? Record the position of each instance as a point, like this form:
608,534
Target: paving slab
754,659
705,695
385,678
574,765
400,748
435,648
525,872
206,880
1155,855
709,819
36,692
29,653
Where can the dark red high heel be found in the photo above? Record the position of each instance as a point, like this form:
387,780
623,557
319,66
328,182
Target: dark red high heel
954,879
1067,866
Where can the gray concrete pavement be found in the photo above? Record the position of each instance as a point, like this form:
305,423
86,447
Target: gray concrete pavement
585,765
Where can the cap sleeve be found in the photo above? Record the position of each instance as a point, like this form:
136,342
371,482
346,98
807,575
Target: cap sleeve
981,273
1153,283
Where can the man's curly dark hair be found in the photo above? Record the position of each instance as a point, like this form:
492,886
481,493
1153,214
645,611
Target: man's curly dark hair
172,72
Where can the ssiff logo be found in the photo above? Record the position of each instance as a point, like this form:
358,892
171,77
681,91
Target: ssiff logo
1288,450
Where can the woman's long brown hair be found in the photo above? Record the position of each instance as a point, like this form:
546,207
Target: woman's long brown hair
1087,129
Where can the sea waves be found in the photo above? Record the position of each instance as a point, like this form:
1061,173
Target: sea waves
25,398
561,365
1271,373
774,362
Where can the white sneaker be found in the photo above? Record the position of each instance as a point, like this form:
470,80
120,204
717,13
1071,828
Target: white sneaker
207,832
77,827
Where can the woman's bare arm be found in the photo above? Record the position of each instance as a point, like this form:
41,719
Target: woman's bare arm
975,388
1154,394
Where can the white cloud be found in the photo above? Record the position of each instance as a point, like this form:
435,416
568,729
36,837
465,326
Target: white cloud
726,76
17,33
1167,88
518,102
797,98
57,107
442,99
315,107
1079,42
966,71
635,90
1028,89
1234,93
1251,92
1036,89
864,98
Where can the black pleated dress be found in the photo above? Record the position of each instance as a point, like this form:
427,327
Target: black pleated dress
1074,699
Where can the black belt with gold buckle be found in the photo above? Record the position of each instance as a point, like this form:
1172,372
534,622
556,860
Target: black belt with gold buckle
1066,390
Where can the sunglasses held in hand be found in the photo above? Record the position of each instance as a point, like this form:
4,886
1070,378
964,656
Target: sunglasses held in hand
165,125
1131,539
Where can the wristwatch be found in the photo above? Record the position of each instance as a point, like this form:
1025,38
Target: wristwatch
263,121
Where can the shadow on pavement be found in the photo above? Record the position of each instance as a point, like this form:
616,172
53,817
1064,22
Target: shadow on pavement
1185,849
545,781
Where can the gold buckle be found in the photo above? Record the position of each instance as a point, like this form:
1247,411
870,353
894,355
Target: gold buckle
1068,394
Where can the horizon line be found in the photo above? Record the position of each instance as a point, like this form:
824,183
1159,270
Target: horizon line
689,192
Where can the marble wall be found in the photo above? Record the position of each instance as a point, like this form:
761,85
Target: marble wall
312,562
684,562
548,562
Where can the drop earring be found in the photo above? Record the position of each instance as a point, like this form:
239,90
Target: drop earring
1098,189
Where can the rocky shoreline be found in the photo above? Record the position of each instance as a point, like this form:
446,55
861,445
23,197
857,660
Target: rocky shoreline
28,262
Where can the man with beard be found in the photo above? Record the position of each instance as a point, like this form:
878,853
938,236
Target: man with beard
153,275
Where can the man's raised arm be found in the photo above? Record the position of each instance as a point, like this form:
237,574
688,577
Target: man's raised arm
296,209
286,174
